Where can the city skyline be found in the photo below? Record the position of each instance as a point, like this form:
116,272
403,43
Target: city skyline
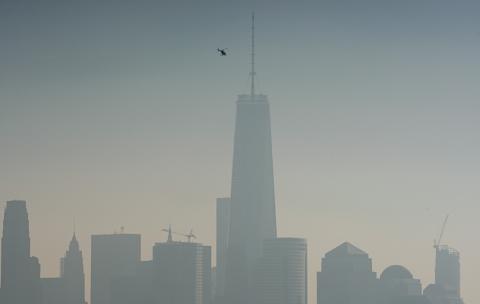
182,273
366,163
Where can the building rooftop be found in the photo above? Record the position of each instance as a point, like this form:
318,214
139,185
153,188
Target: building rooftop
396,272
346,249
16,202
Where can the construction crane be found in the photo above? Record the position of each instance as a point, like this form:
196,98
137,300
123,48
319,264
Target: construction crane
437,243
189,236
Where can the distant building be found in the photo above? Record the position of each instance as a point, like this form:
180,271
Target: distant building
436,294
214,285
347,277
223,228
253,218
447,273
398,281
181,273
69,288
282,272
137,288
397,286
72,274
112,256
53,291
20,278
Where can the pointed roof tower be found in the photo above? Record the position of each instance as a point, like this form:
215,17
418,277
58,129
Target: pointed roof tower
346,249
74,246
252,214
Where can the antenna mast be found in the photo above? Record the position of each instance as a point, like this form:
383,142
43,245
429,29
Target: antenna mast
252,73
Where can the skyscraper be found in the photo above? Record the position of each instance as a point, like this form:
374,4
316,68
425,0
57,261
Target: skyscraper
113,256
223,228
347,277
447,272
72,274
20,271
135,288
182,273
252,192
69,288
282,272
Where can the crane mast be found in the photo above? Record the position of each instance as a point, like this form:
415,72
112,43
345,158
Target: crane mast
438,242
189,236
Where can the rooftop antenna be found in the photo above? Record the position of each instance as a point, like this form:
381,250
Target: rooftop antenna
169,231
74,227
252,72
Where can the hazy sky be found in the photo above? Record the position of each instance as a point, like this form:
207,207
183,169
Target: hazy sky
121,113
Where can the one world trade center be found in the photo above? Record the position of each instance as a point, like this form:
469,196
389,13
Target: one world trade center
252,192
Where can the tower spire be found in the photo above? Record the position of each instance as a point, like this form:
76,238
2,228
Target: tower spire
74,227
252,72
170,239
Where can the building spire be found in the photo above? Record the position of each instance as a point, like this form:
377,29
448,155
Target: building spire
74,227
170,238
74,246
252,72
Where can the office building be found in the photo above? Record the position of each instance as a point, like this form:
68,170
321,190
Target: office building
398,286
252,193
112,256
347,277
20,271
53,291
447,272
135,288
282,272
182,273
223,228
72,274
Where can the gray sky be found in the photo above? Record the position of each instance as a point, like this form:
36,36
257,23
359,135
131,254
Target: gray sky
121,113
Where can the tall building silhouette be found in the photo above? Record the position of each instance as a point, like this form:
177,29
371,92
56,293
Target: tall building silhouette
282,272
182,273
72,273
20,272
69,288
135,288
113,256
347,277
447,273
252,192
223,228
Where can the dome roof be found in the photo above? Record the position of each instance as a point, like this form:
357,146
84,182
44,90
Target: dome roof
434,290
396,272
